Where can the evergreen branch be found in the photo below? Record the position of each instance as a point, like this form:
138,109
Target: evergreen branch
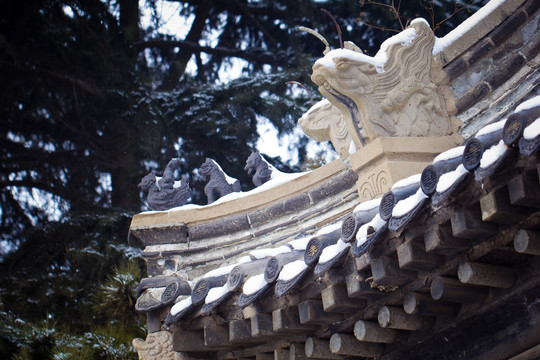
305,88
167,44
79,83
41,185
252,18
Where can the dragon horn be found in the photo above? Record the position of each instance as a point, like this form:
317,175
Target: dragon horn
318,36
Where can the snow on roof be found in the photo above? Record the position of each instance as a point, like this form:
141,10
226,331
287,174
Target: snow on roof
291,270
413,179
532,130
493,154
465,26
496,126
216,293
300,244
529,104
254,284
220,271
182,304
449,154
263,253
329,228
376,223
332,251
406,205
368,205
448,179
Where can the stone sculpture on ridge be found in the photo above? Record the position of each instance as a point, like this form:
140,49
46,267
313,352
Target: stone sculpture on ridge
219,184
325,122
165,193
395,97
259,168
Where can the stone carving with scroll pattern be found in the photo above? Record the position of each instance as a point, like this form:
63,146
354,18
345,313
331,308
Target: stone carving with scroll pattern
157,346
399,100
325,122
376,184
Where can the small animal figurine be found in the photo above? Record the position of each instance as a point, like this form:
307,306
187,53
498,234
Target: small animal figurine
219,184
257,166
165,193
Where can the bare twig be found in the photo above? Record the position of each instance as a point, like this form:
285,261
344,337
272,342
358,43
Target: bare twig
305,88
392,8
396,12
167,44
337,26
456,10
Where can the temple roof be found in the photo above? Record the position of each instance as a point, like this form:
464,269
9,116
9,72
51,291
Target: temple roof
315,267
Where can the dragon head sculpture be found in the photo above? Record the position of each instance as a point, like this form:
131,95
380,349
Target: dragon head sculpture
390,94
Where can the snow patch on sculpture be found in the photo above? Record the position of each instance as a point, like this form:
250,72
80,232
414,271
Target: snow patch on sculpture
405,38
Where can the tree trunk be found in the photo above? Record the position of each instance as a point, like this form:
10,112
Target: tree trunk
178,67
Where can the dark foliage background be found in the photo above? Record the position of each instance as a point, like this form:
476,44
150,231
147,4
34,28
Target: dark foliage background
93,98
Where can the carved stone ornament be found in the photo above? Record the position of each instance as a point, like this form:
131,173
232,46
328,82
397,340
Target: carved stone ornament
157,346
219,184
376,184
325,122
258,168
165,193
390,95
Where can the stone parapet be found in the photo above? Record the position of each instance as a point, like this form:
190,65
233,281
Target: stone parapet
388,159
191,215
192,239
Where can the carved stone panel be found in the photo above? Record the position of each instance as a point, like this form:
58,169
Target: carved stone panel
157,346
375,184
386,160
